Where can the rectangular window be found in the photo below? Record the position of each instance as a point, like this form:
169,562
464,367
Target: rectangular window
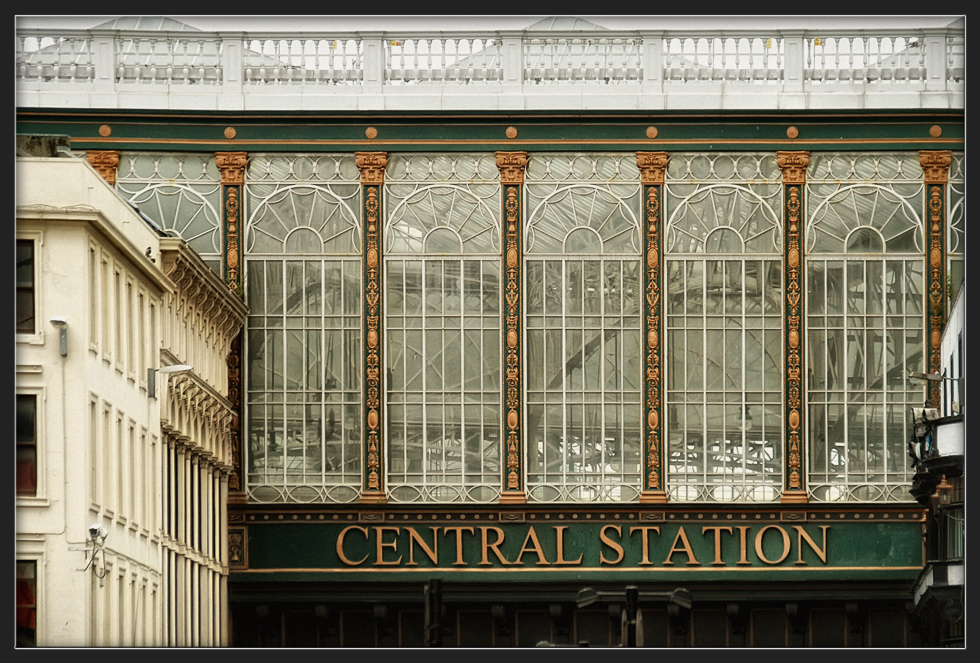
25,286
26,603
26,444
130,337
93,296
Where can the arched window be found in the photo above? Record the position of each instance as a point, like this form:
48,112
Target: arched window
865,315
442,326
582,297
723,315
303,334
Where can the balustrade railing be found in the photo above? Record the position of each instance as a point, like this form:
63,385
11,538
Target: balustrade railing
509,62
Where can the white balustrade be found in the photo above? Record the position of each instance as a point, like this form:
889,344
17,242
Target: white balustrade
641,69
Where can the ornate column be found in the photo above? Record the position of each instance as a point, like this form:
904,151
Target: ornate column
653,169
105,163
232,168
935,171
236,486
793,165
512,165
372,167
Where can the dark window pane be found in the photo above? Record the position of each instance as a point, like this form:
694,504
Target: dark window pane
532,628
26,604
827,628
710,629
475,629
768,628
26,444
887,628
25,286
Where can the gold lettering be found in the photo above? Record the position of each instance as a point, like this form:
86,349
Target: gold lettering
612,544
380,531
645,540
414,537
458,531
682,537
803,536
340,545
742,546
758,544
532,536
560,536
487,546
717,529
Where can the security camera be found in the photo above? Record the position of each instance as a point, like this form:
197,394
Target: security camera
59,321
94,530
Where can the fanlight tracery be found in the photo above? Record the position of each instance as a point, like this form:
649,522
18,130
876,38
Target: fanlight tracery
442,294
724,313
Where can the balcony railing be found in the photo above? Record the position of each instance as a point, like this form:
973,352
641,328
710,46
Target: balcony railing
602,69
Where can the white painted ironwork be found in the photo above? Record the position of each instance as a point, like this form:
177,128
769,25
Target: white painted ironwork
865,280
303,333
724,321
583,298
442,285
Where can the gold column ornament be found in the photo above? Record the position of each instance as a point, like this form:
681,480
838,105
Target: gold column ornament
372,165
793,165
235,483
653,168
105,163
232,167
512,165
935,171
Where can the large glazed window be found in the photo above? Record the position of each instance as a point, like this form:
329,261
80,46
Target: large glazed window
442,325
865,297
723,315
303,340
181,193
582,310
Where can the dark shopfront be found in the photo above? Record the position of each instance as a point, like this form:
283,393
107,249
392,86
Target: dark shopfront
733,577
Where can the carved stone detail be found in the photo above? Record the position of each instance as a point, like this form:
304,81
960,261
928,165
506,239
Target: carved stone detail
232,166
512,165
372,166
105,163
653,167
793,165
935,165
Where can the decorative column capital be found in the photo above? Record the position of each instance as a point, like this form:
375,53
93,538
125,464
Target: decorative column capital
105,163
511,165
372,166
653,167
793,165
935,165
232,167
